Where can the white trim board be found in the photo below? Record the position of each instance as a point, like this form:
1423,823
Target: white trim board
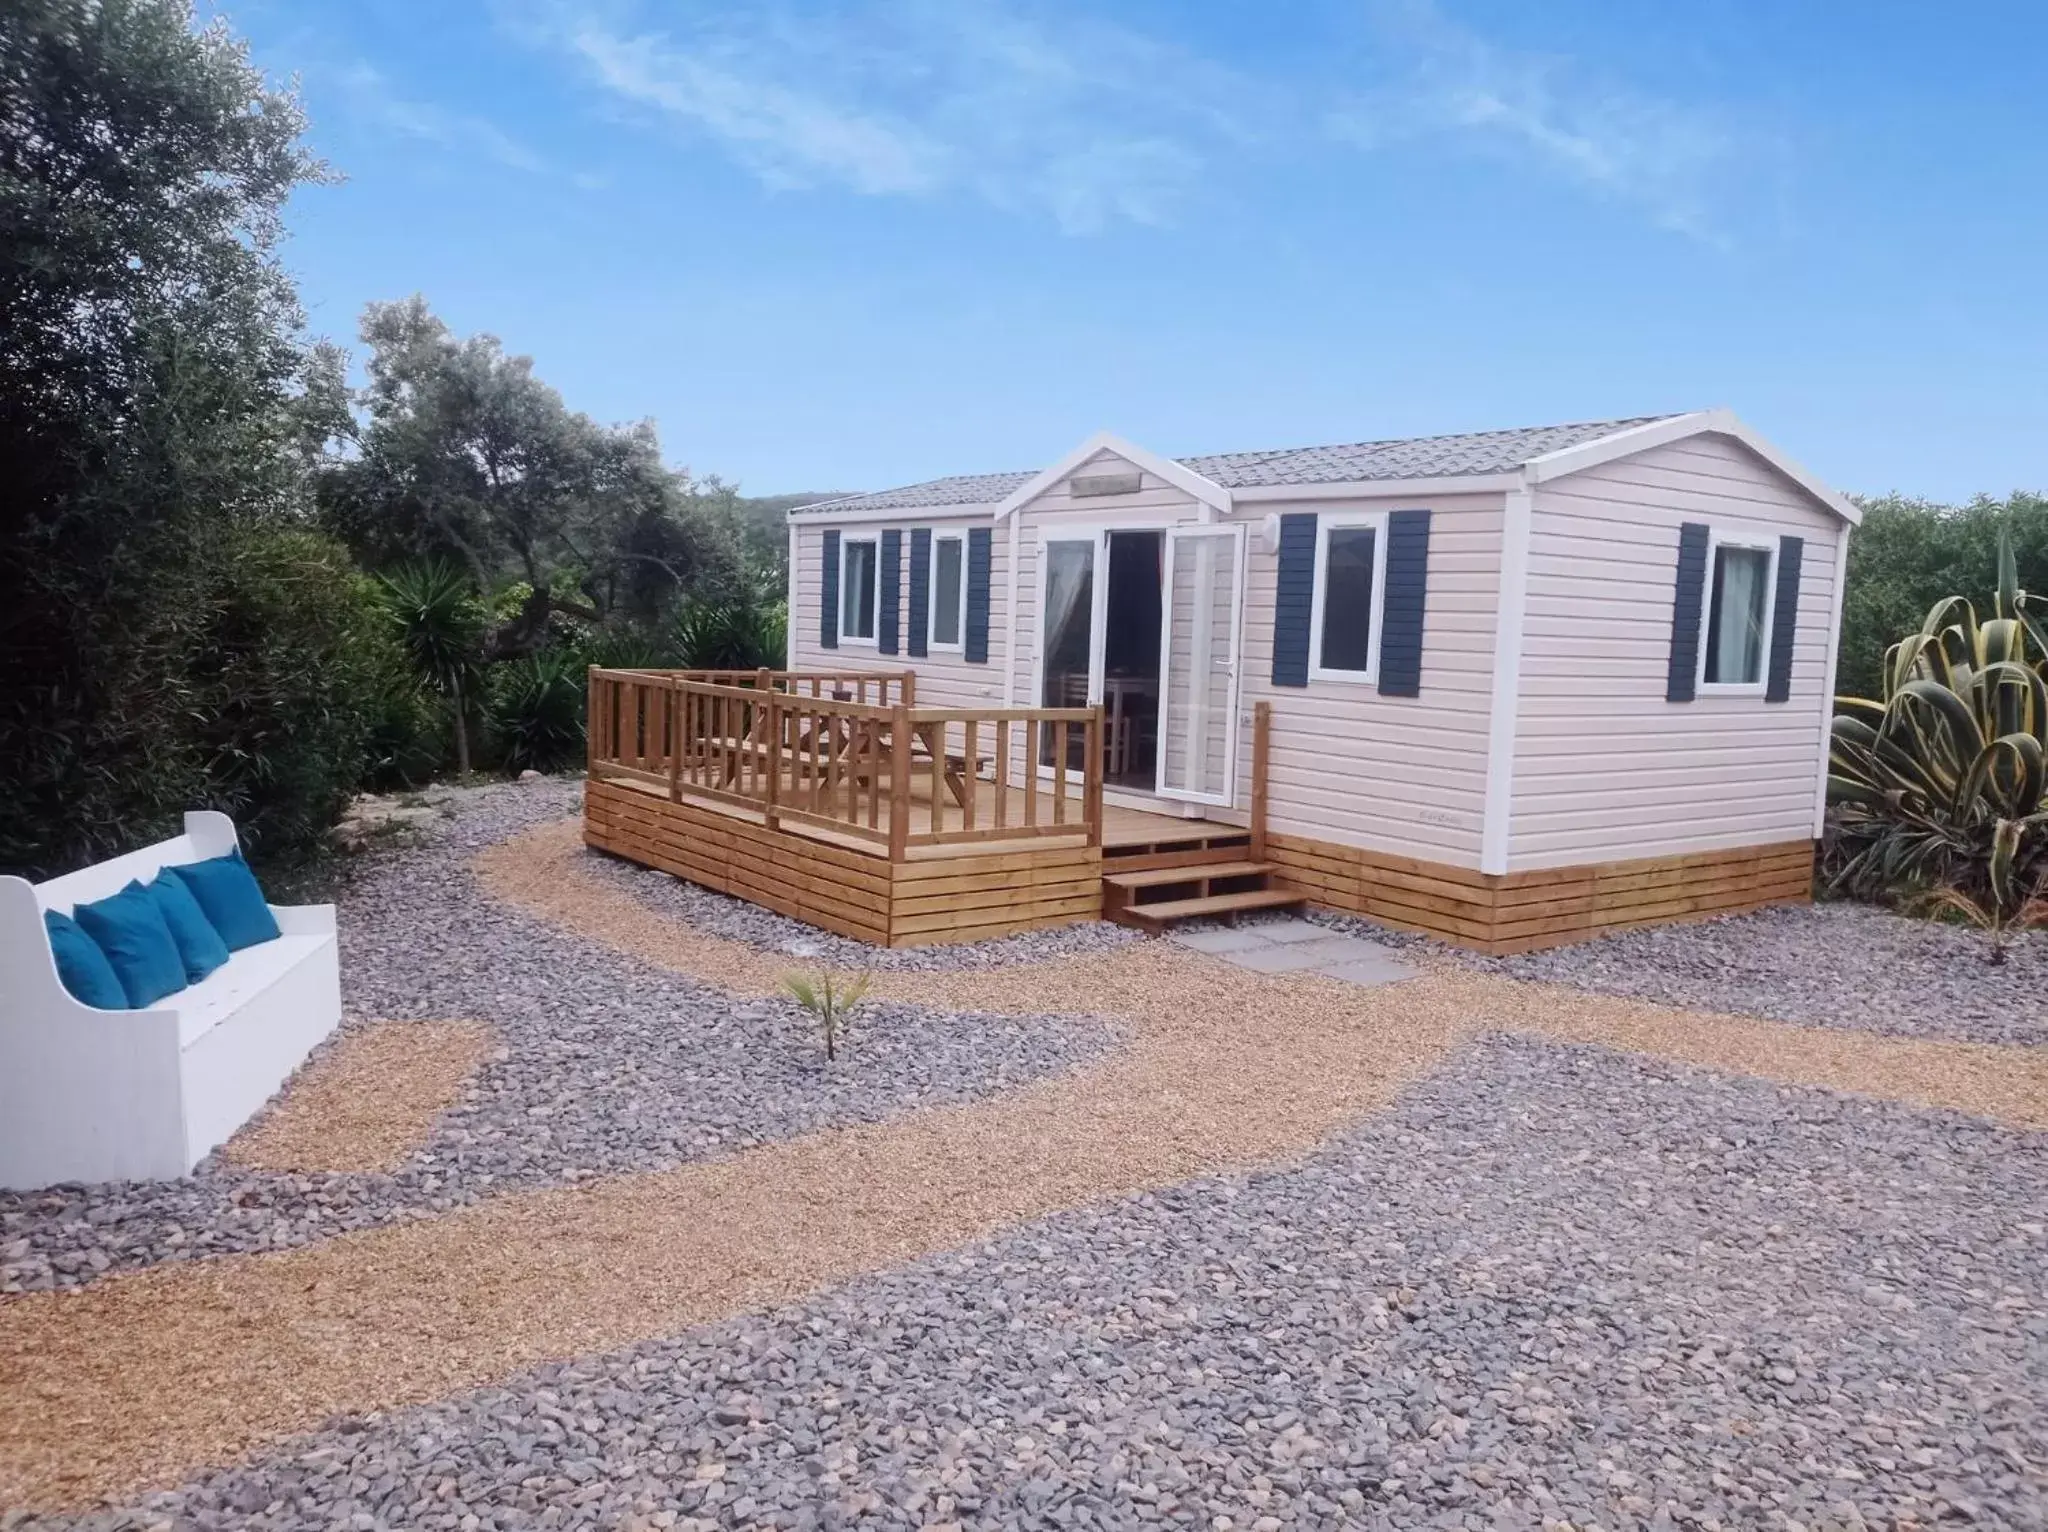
896,515
1496,822
1827,710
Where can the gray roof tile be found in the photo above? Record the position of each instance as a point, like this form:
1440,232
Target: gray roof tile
1414,457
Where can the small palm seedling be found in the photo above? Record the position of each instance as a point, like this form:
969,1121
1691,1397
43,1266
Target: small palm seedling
829,999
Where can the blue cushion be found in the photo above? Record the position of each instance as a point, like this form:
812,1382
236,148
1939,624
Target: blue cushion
199,945
82,966
137,943
227,892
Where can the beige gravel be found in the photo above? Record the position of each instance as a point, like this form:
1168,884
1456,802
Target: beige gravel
368,1102
139,1379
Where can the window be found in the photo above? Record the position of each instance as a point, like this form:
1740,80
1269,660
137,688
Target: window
1350,576
948,591
1739,571
857,592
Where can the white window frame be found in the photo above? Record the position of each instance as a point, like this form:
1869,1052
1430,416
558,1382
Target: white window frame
846,636
1325,524
931,586
1756,542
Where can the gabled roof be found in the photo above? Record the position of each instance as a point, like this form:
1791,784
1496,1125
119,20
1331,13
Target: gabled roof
1541,452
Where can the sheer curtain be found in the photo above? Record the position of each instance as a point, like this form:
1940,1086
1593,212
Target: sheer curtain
1739,643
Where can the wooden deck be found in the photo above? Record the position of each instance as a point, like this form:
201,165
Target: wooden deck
1124,830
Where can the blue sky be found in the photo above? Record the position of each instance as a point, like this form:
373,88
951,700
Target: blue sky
849,245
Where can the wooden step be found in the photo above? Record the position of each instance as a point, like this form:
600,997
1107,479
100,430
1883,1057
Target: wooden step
1156,917
1202,872
1193,852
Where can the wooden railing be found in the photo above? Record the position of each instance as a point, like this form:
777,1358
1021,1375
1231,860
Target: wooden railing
850,753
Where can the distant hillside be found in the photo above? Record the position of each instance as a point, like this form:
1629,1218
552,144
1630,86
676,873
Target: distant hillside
762,523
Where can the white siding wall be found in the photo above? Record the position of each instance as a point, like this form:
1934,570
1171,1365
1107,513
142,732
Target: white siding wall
1402,775
944,679
1605,769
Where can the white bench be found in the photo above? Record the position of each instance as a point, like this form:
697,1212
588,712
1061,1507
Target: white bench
90,1095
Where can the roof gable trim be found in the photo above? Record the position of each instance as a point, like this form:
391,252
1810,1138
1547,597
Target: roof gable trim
1661,433
1183,478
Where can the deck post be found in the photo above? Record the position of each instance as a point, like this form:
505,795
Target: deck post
672,728
590,725
1091,781
907,685
768,814
1262,752
899,781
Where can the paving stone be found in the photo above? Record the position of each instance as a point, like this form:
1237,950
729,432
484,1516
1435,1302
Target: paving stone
1220,939
1324,952
1369,970
1290,929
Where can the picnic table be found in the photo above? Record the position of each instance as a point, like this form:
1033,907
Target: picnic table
849,746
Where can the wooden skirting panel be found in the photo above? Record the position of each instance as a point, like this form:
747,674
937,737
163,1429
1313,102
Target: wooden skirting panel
1521,911
968,895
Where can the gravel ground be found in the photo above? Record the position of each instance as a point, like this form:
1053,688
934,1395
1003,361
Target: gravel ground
605,1064
718,914
1553,1286
1824,965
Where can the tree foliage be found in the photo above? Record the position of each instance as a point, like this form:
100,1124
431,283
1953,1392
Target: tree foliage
159,417
463,453
1910,554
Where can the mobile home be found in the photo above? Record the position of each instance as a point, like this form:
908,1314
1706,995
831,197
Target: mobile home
1511,688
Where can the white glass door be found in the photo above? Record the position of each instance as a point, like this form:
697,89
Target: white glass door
1198,643
1070,659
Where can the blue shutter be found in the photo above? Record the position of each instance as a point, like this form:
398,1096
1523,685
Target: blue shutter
889,618
980,550
1402,602
920,590
1686,602
828,594
1294,599
1784,619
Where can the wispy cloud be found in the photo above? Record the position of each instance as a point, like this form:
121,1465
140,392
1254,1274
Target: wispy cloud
1671,159
1094,123
379,103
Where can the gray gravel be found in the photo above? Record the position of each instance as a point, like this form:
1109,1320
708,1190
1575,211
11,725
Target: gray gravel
1553,1286
1826,965
606,1065
718,914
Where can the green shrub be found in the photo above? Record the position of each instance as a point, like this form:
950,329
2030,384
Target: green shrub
286,667
537,710
744,631
1943,782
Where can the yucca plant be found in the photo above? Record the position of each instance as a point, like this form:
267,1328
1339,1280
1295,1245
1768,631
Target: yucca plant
829,999
1944,782
440,623
537,707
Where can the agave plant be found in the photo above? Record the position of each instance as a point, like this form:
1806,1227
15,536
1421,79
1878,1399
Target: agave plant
1944,782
